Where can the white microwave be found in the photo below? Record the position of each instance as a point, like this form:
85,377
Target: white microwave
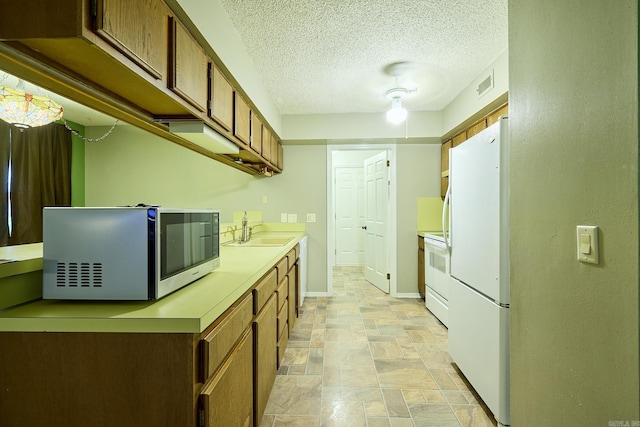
126,253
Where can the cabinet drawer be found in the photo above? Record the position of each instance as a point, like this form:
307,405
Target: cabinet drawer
283,316
217,344
282,346
282,292
228,399
282,267
263,290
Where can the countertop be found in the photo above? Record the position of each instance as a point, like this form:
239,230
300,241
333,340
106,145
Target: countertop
20,259
422,233
188,310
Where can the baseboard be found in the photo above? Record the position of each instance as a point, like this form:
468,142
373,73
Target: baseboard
408,295
316,294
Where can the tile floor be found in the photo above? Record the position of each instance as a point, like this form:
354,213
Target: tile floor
362,358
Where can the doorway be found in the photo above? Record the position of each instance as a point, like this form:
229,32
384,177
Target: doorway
347,237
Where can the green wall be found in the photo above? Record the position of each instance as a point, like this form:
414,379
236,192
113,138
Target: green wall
132,166
77,165
573,113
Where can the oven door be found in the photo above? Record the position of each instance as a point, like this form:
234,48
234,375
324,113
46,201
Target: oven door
436,266
437,276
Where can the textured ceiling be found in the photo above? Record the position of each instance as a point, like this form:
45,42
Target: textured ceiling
335,56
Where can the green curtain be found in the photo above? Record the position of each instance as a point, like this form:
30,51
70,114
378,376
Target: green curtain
41,176
5,147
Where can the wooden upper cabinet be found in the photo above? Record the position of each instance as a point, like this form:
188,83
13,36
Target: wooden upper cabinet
241,119
221,103
476,128
266,144
494,116
138,29
274,150
459,139
280,162
256,133
189,67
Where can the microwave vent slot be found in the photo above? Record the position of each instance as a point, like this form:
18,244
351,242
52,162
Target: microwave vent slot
75,274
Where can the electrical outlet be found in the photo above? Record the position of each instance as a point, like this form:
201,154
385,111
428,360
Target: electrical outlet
311,217
292,218
283,217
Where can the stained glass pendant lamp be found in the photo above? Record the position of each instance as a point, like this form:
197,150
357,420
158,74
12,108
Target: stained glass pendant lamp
24,110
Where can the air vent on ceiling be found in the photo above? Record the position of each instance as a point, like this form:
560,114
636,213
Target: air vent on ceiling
485,85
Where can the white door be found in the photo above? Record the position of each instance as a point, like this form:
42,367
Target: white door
349,210
376,218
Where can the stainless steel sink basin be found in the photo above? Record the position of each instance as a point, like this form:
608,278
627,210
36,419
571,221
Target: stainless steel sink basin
262,242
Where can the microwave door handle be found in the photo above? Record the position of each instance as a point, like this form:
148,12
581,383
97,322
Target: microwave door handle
445,211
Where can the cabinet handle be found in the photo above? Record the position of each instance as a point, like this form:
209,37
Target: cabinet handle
364,227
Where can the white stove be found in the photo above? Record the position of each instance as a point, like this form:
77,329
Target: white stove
436,264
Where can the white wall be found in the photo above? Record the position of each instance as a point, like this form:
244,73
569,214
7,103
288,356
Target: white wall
468,103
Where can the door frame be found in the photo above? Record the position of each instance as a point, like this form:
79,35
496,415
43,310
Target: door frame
391,226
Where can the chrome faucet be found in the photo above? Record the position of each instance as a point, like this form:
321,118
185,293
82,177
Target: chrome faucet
246,235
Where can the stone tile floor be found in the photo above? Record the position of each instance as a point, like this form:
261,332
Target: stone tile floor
363,358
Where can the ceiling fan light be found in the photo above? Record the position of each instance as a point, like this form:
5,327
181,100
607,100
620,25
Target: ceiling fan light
397,114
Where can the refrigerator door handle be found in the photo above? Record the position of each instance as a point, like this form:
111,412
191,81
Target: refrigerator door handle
445,209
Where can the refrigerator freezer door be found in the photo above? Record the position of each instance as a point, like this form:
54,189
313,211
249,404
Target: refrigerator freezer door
479,243
479,344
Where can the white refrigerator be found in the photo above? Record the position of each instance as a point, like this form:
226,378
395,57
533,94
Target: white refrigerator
479,242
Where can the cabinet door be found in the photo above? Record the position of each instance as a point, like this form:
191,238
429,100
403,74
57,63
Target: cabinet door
266,144
274,150
227,400
221,104
293,279
459,139
494,116
138,29
265,352
280,157
477,127
256,133
189,67
241,119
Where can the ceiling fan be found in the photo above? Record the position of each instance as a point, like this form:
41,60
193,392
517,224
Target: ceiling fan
397,113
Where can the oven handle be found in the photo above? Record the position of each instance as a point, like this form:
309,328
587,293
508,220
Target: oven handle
445,209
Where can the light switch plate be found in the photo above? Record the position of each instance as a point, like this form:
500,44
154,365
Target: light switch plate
587,244
311,217
292,218
283,217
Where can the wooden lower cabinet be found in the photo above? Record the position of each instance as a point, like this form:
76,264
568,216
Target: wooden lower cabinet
227,399
98,379
220,377
265,338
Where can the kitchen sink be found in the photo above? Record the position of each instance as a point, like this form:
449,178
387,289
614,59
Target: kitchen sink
262,242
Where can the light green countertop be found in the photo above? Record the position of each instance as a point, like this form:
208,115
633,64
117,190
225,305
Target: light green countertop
189,310
20,259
